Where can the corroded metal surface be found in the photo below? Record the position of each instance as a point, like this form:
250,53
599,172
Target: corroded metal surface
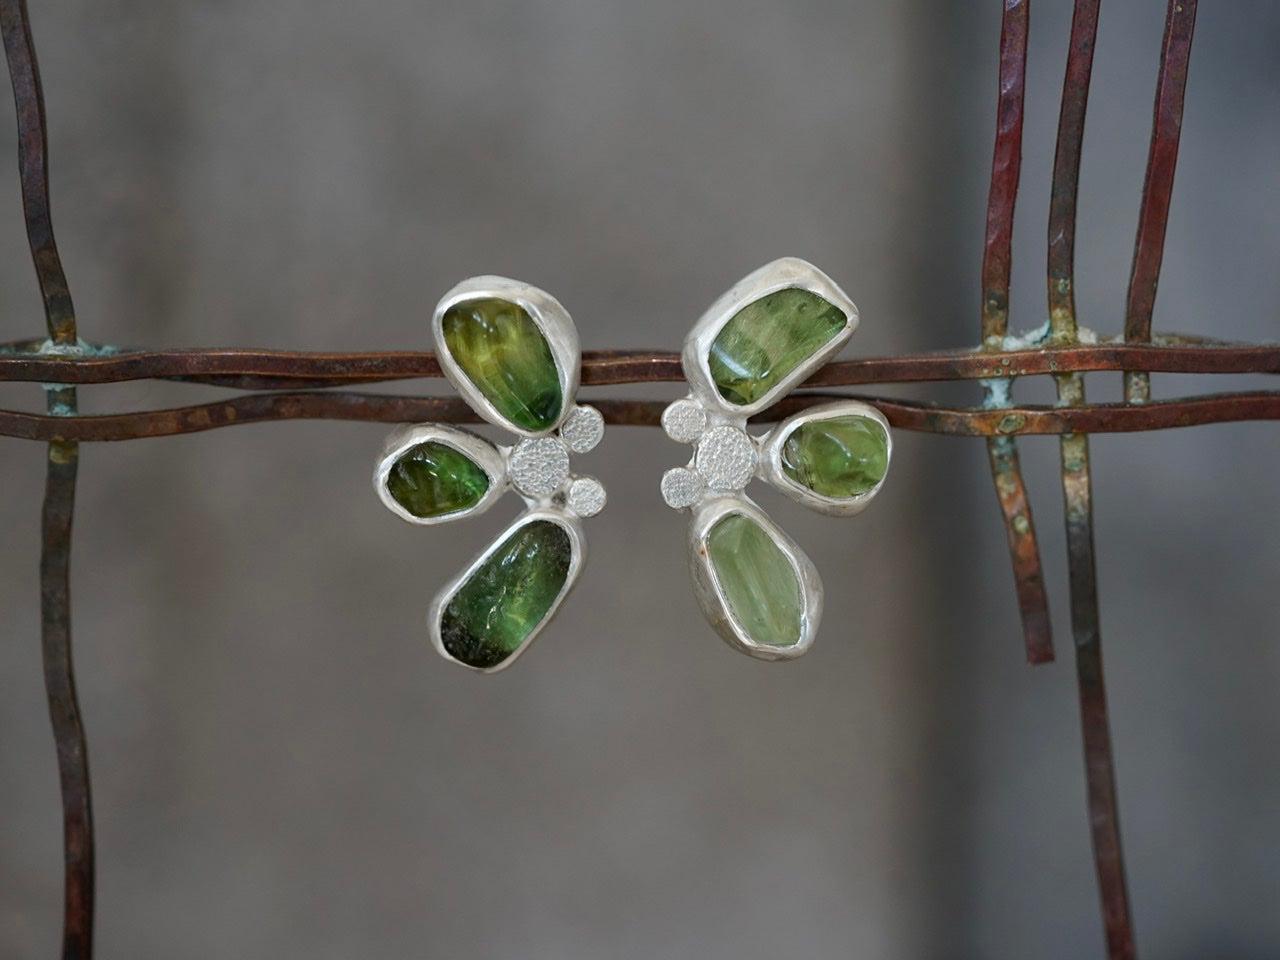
288,370
997,262
1104,814
1157,187
904,414
60,490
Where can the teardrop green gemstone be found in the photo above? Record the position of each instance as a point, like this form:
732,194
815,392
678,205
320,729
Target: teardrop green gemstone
757,579
433,479
767,339
502,351
840,458
509,594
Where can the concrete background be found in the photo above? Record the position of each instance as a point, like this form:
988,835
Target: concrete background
281,766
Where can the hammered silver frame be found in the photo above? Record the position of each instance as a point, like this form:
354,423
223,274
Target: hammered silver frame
550,317
786,273
577,557
711,596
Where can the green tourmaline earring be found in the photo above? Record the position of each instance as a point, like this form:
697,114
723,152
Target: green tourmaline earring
511,350
765,336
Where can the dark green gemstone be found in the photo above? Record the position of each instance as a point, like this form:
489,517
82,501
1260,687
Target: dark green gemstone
840,458
757,579
768,339
502,351
508,596
433,479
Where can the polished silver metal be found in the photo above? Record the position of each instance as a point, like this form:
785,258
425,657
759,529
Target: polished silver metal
536,468
486,456
770,463
577,557
726,457
550,317
788,273
711,596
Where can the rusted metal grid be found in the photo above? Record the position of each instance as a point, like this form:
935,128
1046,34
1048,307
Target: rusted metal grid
278,385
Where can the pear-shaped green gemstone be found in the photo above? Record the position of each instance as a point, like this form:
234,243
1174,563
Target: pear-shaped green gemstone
757,579
433,479
840,458
767,339
502,351
508,596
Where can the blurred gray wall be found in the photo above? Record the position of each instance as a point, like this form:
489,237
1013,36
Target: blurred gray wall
283,769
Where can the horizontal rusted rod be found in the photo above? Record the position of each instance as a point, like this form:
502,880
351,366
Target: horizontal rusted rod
381,408
274,369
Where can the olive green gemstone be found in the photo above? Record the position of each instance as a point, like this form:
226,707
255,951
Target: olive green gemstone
768,339
840,458
502,351
491,614
433,479
757,579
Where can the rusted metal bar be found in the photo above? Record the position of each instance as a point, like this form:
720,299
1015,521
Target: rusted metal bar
282,370
1157,187
1104,817
60,487
997,259
902,414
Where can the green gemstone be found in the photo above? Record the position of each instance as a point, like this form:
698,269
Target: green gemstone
432,479
839,458
767,339
502,351
499,605
757,579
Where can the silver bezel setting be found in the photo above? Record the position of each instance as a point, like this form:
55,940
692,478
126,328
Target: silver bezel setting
550,317
715,604
577,557
484,454
783,274
770,470
546,483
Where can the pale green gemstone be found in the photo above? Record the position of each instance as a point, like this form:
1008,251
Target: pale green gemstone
768,339
841,458
502,351
508,596
757,579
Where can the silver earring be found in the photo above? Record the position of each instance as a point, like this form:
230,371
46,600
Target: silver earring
766,335
511,350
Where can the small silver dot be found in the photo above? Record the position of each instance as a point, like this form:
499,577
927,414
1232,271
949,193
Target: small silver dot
726,458
684,421
582,429
682,487
586,496
539,467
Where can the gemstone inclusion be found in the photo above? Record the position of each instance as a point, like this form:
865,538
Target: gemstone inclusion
842,457
508,596
502,351
433,479
757,580
768,339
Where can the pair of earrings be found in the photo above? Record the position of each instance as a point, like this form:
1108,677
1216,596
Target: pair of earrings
512,351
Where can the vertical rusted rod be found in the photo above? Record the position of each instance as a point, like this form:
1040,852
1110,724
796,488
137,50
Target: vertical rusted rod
997,258
1100,780
60,486
1157,187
